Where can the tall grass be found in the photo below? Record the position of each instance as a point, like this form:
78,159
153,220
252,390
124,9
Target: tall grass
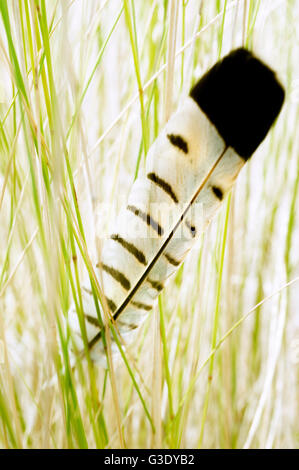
85,88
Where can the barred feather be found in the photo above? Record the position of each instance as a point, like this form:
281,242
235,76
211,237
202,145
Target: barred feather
190,168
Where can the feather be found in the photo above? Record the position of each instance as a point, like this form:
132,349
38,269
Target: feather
189,170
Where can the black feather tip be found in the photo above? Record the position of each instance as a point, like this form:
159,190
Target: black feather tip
242,97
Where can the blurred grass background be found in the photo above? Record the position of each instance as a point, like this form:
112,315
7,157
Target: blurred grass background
85,88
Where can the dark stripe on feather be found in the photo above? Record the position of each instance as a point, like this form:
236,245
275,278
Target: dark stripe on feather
178,141
117,275
110,303
131,326
171,260
141,306
155,284
130,248
218,192
147,218
191,228
92,320
163,185
112,306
